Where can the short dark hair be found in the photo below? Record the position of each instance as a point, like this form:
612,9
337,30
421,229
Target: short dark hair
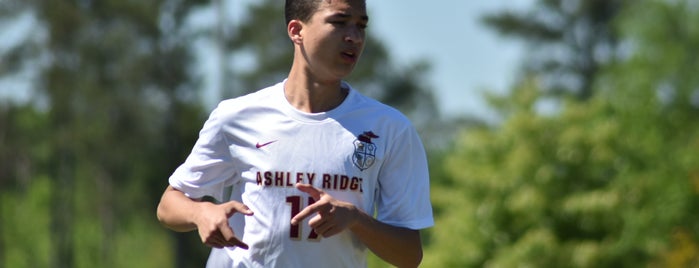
300,10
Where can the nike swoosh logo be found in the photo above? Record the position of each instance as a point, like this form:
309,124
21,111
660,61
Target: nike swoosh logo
258,145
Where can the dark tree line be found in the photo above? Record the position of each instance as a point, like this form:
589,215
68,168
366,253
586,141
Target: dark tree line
115,106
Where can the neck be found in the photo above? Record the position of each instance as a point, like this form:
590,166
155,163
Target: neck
311,95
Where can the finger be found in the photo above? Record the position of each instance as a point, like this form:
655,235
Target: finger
218,241
308,211
242,208
319,225
234,206
214,245
330,232
316,222
310,190
230,239
326,229
215,240
235,242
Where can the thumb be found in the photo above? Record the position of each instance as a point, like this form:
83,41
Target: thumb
234,206
310,190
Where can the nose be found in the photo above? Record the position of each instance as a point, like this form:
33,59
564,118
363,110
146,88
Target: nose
355,35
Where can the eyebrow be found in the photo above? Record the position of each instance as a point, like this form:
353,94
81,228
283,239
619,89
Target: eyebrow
365,18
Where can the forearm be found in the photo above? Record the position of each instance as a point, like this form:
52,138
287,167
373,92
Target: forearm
176,211
398,246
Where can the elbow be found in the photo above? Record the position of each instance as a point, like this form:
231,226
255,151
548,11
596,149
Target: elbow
169,213
161,215
416,257
165,220
412,250
164,211
416,260
410,261
419,258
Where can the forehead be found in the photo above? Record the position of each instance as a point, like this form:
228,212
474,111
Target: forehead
345,7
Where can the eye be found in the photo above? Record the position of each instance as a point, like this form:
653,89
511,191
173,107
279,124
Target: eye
337,23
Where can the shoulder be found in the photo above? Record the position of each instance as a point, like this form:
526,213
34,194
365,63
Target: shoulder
251,102
260,97
375,110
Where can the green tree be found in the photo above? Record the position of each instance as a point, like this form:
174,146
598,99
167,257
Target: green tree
569,41
610,182
115,110
22,149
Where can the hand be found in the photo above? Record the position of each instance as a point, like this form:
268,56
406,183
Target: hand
213,227
333,217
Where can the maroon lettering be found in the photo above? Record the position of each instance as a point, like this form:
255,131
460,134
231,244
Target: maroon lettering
289,183
299,177
354,184
311,177
290,179
279,178
268,178
326,181
344,182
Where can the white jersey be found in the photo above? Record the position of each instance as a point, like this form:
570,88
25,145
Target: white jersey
362,152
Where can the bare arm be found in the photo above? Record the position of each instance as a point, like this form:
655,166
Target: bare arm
398,246
401,247
182,214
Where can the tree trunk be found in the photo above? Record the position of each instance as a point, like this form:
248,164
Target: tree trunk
62,213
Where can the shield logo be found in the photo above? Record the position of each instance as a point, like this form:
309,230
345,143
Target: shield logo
364,150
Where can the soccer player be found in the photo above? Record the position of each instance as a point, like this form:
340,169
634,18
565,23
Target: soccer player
318,171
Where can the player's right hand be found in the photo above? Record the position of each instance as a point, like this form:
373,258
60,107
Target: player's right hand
213,227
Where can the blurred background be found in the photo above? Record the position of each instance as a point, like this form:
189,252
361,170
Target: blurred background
560,133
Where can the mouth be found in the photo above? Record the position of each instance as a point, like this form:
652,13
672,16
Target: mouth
350,55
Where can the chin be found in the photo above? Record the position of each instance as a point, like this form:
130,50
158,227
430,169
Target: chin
337,72
344,72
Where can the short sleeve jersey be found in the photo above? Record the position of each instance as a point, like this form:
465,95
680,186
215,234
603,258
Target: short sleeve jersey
362,152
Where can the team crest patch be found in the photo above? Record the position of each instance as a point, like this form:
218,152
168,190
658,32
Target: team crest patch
364,150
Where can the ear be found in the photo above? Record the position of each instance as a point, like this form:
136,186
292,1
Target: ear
294,31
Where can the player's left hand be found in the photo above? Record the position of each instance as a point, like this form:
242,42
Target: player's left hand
333,216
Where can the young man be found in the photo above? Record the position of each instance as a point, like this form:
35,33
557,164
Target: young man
310,161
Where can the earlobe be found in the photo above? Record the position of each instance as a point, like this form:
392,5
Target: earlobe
294,31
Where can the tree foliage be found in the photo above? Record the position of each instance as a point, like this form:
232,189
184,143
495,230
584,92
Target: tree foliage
570,41
111,114
114,108
610,182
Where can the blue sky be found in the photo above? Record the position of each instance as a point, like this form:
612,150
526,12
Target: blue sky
467,58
